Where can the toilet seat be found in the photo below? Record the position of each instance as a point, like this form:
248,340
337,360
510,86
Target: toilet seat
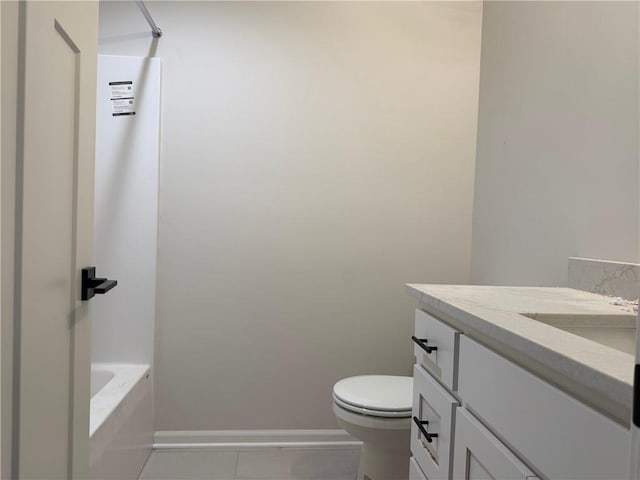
385,396
370,412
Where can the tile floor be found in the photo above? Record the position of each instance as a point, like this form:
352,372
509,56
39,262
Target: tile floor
254,464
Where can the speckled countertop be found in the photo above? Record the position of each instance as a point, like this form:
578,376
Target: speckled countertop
497,313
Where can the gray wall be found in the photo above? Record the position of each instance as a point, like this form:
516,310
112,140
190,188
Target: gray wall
8,99
315,157
557,172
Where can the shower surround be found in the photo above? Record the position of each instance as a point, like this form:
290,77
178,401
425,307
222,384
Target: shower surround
125,231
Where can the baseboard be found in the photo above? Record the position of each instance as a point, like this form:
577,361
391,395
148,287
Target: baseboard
248,439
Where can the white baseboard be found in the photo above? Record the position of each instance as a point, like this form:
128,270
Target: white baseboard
248,439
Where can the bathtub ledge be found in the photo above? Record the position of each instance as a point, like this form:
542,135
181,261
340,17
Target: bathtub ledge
106,400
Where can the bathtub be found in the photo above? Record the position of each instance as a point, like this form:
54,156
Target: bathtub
121,422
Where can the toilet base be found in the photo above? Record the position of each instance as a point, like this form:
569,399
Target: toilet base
385,444
378,464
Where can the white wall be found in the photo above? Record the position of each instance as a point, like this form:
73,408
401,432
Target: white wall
316,156
557,172
126,212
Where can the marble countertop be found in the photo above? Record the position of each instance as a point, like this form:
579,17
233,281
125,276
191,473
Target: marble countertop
498,314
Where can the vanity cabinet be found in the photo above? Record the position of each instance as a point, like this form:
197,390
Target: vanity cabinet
561,436
479,455
488,418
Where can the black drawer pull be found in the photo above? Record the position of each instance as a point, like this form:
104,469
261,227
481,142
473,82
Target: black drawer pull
422,343
427,435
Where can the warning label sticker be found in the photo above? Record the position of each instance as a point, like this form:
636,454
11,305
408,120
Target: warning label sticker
122,98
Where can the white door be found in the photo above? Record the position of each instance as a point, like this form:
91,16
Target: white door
635,414
54,210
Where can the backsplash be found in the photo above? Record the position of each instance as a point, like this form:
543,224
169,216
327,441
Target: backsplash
616,279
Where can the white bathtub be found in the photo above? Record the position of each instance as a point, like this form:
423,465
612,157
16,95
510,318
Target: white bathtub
121,422
99,378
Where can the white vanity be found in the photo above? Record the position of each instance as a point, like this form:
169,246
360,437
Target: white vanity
520,383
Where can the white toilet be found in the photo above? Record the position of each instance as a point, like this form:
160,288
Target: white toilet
376,409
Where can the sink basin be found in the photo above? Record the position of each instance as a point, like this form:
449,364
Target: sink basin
615,331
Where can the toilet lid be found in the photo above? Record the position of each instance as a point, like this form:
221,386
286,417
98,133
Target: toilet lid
382,393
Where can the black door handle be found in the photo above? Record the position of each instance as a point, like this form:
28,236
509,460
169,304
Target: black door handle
92,285
105,286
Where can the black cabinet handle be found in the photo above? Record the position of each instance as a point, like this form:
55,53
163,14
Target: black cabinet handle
427,435
422,343
92,285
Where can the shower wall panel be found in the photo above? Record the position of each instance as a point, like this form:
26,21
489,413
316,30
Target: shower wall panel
126,207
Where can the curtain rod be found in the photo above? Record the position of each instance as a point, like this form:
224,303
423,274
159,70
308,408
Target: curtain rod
155,30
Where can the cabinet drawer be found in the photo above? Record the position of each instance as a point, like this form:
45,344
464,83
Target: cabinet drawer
433,404
442,362
560,436
479,454
414,471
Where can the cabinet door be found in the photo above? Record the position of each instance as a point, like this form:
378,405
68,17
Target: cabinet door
479,455
414,470
432,404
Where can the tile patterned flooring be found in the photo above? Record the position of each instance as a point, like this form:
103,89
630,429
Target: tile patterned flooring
269,463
